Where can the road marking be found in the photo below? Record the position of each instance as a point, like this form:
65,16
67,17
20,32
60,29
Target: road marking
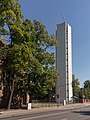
44,116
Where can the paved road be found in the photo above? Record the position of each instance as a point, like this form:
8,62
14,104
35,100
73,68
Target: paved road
73,114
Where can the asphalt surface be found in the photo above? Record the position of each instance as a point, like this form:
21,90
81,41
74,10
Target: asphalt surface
80,113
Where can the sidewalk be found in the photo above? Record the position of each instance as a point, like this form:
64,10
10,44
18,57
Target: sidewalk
18,112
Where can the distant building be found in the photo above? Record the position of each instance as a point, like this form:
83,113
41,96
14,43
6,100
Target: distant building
64,63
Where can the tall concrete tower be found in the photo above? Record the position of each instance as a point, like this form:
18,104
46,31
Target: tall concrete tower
64,63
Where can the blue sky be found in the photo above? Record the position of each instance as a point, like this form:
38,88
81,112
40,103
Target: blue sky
77,14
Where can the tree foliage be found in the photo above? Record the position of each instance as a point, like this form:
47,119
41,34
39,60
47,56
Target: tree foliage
29,64
76,87
9,14
87,84
86,89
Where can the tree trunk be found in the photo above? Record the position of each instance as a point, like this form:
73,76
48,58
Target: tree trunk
11,94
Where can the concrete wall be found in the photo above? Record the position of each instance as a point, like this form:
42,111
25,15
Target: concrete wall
64,63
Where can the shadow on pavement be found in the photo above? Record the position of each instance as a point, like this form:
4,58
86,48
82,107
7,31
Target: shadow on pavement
82,112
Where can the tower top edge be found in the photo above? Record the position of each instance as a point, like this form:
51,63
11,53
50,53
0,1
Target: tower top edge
64,23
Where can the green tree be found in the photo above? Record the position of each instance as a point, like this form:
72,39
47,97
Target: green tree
29,62
9,14
76,86
45,82
10,17
20,61
42,60
86,89
87,84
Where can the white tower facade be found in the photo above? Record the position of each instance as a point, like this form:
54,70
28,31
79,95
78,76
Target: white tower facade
64,63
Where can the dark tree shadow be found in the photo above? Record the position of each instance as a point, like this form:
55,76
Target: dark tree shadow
82,112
